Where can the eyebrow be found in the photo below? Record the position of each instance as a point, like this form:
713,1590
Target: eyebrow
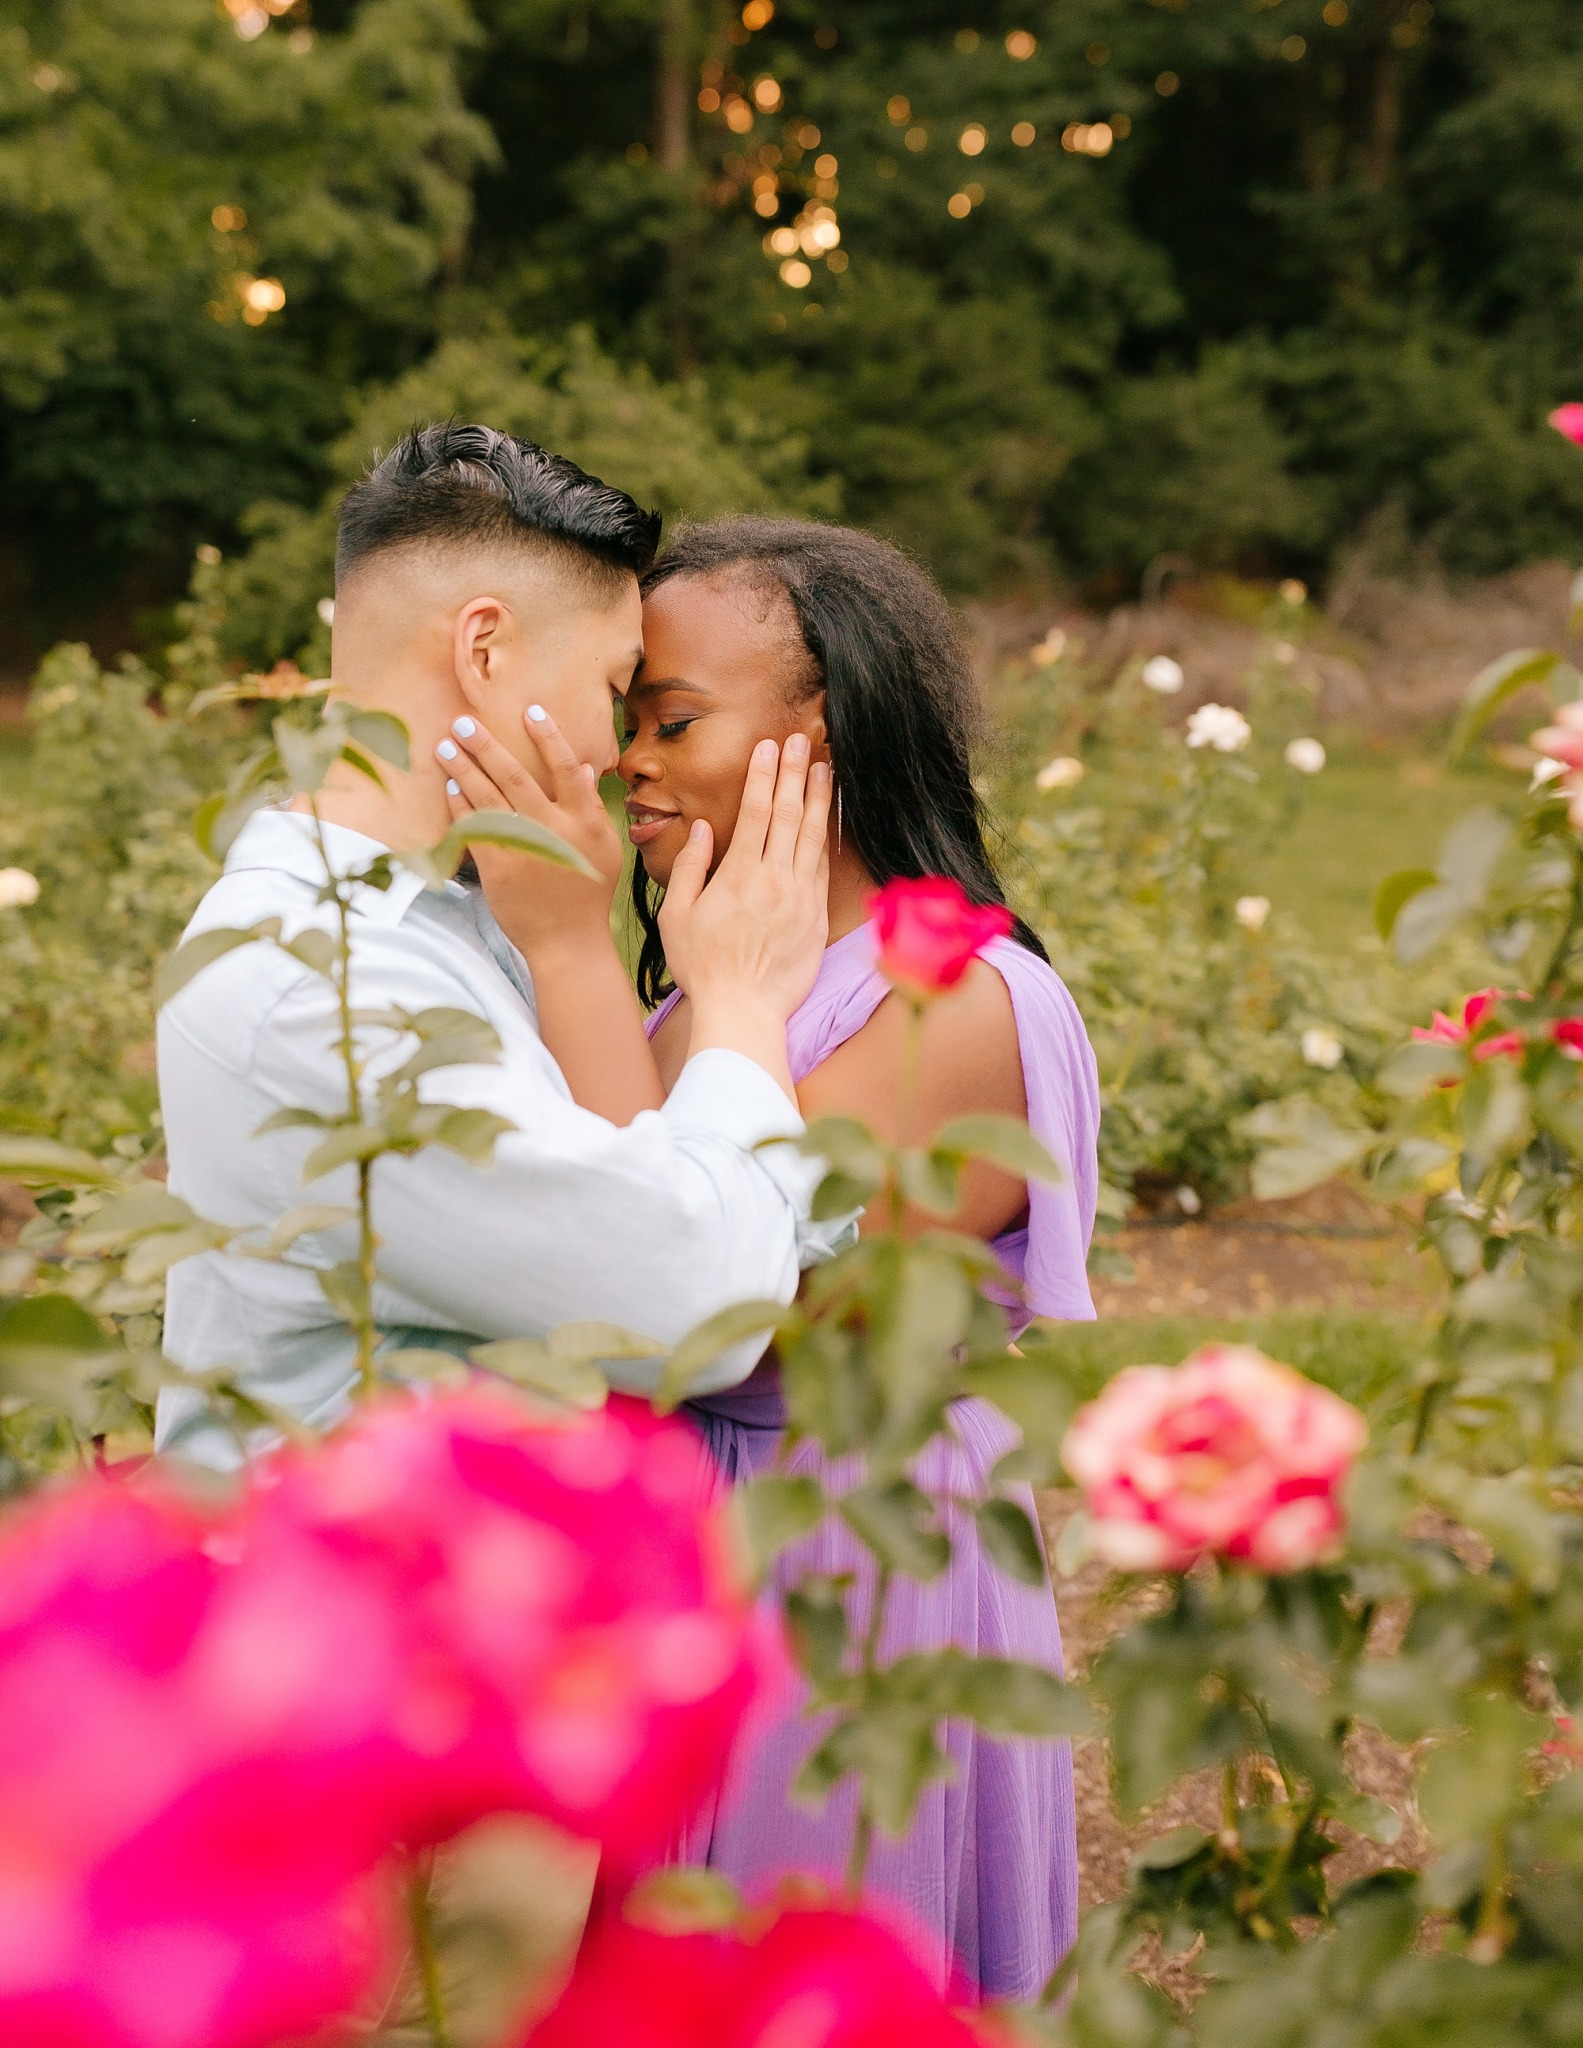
651,686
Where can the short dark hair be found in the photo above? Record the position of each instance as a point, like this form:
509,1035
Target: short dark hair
873,632
471,486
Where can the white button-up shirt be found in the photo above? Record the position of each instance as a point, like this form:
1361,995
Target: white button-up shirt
653,1226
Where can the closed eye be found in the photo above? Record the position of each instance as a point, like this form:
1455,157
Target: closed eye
674,729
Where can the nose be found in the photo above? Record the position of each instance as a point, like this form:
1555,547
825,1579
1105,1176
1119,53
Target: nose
637,763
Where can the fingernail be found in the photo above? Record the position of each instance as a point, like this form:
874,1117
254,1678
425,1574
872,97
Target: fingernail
765,751
452,787
819,772
537,713
464,728
698,831
446,750
797,747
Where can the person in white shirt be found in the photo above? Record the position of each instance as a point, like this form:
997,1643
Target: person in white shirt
478,577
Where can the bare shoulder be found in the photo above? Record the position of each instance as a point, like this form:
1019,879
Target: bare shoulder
970,1058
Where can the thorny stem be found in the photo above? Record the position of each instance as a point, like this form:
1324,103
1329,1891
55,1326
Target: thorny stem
367,1243
863,1832
420,1917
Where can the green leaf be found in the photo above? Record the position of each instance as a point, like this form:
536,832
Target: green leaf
848,1146
576,1382
928,1181
304,1221
345,1144
203,950
1414,1069
1495,686
470,1133
49,1322
776,1510
42,1163
1172,1849
1470,850
1011,1541
344,1289
1369,1817
437,864
1004,1696
1423,921
130,1216
431,1368
599,1341
1395,891
316,950
897,1522
381,733
816,1621
701,1347
1302,1147
1003,1141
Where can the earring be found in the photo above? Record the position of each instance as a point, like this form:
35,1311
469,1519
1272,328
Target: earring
838,819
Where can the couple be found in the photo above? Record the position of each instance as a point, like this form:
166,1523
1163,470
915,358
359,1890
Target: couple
771,679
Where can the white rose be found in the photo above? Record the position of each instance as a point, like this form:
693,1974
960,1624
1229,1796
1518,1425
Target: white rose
17,888
1322,1048
1308,756
326,610
1218,726
1251,912
1164,675
1061,773
1189,1200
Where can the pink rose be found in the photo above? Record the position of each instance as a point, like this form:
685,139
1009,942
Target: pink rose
1447,1031
1568,420
1563,742
1227,1453
820,1977
571,1639
927,934
181,1862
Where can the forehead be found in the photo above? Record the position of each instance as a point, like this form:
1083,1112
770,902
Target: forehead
720,632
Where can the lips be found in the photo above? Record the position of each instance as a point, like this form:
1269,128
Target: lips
644,822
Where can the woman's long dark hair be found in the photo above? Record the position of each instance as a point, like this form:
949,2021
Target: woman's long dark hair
901,711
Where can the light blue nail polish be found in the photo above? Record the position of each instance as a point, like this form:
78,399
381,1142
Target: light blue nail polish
464,728
537,713
453,788
446,750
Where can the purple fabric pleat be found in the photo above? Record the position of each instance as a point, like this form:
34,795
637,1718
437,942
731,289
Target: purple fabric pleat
987,1875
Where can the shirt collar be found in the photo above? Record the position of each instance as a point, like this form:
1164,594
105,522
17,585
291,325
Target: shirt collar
285,842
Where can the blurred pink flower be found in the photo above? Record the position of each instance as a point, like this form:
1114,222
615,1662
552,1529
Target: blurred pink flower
177,1866
927,934
808,1977
1227,1453
572,1640
1446,1030
1568,420
1563,743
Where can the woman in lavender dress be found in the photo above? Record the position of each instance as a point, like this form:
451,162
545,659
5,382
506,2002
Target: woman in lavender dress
766,627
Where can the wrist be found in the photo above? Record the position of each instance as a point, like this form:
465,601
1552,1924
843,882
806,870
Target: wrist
577,943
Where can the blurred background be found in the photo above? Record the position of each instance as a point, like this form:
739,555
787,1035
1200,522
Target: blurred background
1099,298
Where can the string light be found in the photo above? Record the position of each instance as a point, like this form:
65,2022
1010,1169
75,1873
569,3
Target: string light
899,108
781,242
916,139
48,78
1336,14
825,166
837,260
1024,134
959,206
260,297
1166,84
1021,45
971,140
975,193
230,220
767,94
758,14
1083,138
708,100
739,115
967,40
1294,49
826,35
796,273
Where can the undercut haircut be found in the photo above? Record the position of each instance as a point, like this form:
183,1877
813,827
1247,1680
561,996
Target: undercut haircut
452,488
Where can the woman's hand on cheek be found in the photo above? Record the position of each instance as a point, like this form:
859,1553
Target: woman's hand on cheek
538,904
753,936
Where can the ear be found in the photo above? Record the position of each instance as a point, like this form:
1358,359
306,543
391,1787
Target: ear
483,626
811,722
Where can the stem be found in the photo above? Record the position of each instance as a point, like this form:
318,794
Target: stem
1230,1811
1563,944
420,1917
863,1832
1490,1936
906,1102
367,1244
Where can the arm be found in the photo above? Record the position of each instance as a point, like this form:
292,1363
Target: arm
969,1062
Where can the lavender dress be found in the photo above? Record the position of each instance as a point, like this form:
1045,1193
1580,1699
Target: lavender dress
988,1872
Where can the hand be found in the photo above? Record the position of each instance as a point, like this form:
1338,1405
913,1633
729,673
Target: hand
537,904
753,936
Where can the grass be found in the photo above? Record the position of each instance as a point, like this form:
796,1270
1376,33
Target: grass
1371,811
1370,1359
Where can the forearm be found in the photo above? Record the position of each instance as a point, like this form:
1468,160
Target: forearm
592,1028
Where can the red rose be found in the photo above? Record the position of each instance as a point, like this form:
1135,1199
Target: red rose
927,934
1568,420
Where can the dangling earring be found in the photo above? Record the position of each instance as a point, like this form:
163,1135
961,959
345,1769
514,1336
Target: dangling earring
838,818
